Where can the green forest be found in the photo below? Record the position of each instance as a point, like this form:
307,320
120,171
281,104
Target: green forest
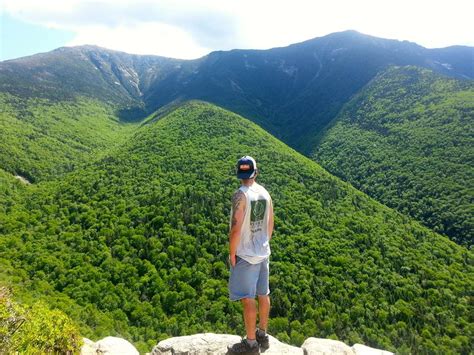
407,140
41,139
134,242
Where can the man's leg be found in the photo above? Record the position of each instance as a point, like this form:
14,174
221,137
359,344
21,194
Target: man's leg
242,284
263,311
263,291
250,317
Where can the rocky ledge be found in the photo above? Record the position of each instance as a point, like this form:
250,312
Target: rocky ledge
216,344
109,345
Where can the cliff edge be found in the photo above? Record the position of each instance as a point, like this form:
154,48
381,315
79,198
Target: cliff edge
216,344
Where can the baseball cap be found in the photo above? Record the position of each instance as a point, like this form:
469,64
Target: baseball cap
246,167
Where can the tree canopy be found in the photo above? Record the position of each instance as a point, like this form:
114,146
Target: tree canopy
407,140
134,243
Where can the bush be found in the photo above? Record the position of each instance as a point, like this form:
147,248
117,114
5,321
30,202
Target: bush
35,329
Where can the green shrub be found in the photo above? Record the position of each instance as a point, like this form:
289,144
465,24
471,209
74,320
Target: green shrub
35,329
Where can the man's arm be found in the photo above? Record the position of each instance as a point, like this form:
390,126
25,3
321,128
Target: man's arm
270,221
238,210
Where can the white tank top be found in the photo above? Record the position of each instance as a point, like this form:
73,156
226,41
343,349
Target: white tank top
254,245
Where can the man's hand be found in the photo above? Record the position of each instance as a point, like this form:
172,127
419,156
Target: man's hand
232,260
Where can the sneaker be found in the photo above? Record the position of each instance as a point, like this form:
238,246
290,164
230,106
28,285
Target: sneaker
243,348
262,339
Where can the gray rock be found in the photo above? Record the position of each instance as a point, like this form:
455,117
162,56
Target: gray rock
207,343
277,347
214,344
317,346
108,345
360,349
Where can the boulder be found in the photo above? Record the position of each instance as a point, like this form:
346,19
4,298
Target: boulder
277,347
360,349
207,343
88,348
317,346
214,344
108,345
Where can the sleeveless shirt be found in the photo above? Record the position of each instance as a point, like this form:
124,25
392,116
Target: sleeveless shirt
254,245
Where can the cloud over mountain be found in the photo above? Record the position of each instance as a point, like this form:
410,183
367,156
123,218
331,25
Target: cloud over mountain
189,29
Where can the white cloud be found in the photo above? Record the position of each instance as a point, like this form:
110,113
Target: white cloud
184,29
429,23
147,38
191,28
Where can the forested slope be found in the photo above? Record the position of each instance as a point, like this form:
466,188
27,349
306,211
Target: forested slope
408,141
41,139
138,240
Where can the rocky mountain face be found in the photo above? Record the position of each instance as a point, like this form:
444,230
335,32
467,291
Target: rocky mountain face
293,92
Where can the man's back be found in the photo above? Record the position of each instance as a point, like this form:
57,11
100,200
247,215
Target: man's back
254,244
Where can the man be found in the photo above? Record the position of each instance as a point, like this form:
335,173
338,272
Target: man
249,243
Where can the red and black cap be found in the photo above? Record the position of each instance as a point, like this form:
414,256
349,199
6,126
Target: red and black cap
246,168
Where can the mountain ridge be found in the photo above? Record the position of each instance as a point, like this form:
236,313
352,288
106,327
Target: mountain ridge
406,140
292,91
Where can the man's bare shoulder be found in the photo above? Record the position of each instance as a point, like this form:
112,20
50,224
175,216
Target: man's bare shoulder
238,199
238,192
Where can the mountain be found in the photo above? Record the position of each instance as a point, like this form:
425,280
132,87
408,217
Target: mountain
63,74
459,57
42,138
407,140
134,243
292,92
97,96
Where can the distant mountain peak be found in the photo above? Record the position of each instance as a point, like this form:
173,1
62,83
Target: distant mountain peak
291,91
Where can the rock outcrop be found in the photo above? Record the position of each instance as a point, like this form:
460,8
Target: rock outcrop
108,345
360,349
216,344
316,346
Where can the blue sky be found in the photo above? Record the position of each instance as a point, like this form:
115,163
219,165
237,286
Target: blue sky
193,28
19,39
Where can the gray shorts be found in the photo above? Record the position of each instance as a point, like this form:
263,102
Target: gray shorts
248,280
